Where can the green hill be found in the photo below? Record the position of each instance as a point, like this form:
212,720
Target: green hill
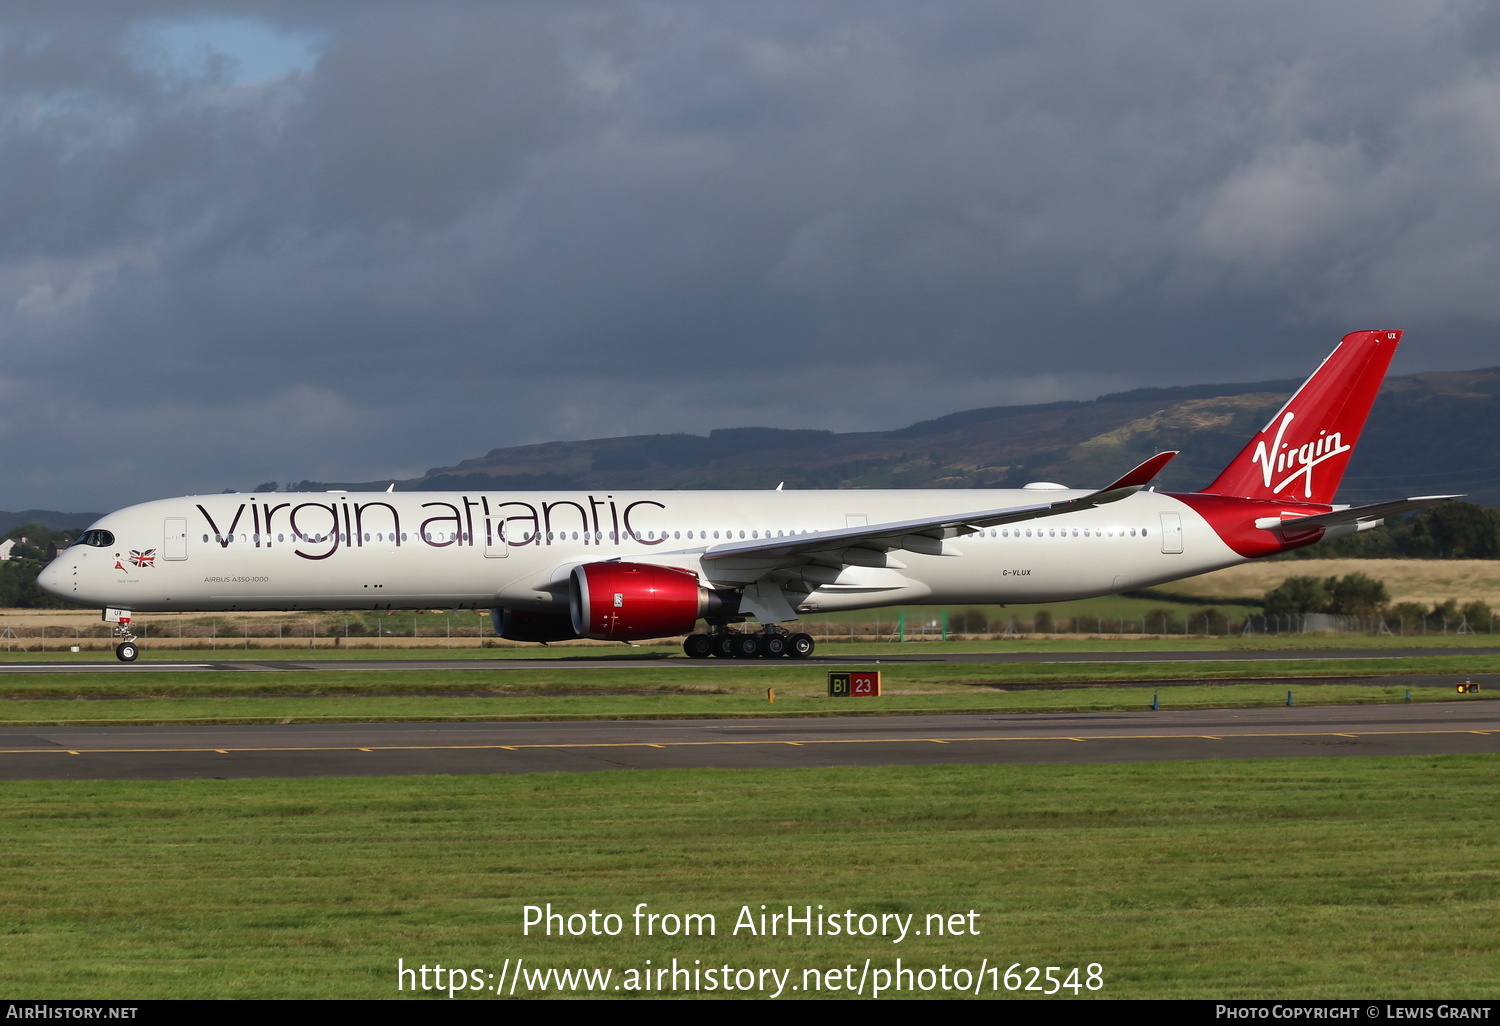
1427,433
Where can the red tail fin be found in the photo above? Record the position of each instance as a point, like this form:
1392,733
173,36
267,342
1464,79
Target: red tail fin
1301,454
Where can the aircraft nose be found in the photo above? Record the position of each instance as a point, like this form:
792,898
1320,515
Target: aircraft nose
54,579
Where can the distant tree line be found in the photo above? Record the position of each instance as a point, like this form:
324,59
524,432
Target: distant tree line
1042,621
1361,595
1350,595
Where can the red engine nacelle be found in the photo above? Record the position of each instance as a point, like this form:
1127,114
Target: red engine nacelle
630,601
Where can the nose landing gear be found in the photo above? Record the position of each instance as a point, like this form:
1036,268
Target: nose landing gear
127,651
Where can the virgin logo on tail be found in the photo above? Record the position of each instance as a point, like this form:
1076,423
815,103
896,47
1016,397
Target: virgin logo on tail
1283,456
1332,406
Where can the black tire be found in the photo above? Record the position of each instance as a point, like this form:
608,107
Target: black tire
698,646
773,646
127,651
724,645
800,646
746,646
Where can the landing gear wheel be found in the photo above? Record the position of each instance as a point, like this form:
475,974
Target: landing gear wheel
746,646
126,651
698,646
800,646
724,645
774,646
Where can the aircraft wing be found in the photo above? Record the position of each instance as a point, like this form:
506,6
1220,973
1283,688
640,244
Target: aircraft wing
926,535
1367,516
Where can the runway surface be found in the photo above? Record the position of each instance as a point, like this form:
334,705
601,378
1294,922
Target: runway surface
258,665
306,750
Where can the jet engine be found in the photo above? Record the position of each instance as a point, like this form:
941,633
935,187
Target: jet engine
542,627
631,601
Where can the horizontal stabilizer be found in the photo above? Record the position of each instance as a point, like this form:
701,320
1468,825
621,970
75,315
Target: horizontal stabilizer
1368,515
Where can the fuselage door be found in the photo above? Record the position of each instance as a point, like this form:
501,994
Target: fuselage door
1171,532
174,538
494,538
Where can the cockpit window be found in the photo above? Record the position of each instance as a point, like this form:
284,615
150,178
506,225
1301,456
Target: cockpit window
97,538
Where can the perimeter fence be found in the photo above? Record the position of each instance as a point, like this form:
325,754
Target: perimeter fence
464,629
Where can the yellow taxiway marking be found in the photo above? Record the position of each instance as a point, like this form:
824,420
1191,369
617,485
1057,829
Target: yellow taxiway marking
767,741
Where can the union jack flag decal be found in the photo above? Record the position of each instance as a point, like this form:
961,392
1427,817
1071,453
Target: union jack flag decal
139,558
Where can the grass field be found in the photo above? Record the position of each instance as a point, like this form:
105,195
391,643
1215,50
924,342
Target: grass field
675,705
1351,878
165,650
551,688
1426,581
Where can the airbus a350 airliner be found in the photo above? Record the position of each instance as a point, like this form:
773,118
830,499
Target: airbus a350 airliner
628,566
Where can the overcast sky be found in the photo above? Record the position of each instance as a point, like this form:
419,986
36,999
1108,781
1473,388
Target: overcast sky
243,242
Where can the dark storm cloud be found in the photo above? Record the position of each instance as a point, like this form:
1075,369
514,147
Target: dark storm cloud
242,242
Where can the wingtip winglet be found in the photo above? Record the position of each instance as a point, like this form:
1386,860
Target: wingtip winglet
1142,475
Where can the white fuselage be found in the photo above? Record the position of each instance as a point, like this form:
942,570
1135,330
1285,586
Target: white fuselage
516,550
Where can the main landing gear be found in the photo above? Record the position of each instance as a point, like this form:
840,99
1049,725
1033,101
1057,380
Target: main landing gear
773,642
